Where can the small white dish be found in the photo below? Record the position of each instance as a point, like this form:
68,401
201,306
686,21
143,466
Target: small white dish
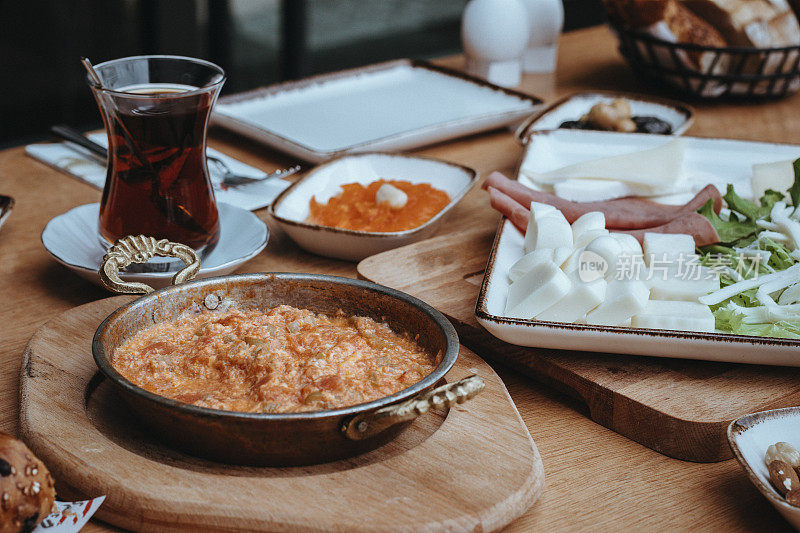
749,438
573,107
72,239
291,208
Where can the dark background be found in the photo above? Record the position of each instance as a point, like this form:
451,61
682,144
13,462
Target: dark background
257,42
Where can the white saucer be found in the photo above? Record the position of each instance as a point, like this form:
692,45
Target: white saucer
72,239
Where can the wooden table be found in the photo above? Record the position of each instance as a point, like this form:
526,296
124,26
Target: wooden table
595,478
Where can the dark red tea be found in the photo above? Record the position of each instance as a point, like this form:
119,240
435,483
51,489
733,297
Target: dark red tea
157,182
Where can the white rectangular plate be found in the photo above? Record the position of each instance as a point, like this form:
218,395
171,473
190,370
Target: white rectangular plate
389,106
719,161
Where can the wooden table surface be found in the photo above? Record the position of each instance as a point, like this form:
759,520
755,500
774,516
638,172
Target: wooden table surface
595,478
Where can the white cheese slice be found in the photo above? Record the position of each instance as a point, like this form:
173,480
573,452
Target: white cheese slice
594,190
686,282
542,286
581,298
664,248
624,299
657,169
593,220
777,176
550,230
528,261
685,316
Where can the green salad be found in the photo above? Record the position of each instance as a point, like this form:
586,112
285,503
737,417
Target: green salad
758,262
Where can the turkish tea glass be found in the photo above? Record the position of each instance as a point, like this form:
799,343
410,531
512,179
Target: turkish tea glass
156,110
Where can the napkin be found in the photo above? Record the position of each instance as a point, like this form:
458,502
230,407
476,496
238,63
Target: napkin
84,166
69,517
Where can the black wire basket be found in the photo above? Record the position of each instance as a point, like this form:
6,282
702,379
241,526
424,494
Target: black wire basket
710,72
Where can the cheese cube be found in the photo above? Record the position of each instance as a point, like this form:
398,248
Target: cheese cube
540,210
666,248
588,236
608,251
542,286
682,282
527,262
630,245
581,298
624,299
550,230
686,316
593,220
561,254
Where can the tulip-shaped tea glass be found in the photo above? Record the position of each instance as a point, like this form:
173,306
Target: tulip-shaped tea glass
155,110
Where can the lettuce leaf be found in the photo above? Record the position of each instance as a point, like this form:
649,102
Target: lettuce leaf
794,190
727,320
729,231
751,211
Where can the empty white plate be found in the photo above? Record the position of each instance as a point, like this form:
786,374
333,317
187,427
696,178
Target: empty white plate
395,105
72,239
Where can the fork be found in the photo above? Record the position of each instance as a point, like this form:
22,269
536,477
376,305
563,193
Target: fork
229,178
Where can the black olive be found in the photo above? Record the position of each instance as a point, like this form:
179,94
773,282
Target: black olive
652,125
575,125
5,468
30,522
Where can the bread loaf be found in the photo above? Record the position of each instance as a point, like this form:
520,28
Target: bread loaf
26,487
750,23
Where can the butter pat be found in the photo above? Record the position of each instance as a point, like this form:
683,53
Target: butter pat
542,286
392,196
624,299
686,316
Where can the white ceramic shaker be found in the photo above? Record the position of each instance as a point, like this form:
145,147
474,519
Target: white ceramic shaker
545,21
494,34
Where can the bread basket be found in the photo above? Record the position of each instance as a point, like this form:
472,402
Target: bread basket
721,72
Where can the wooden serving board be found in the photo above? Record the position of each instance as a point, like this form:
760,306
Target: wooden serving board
680,408
473,468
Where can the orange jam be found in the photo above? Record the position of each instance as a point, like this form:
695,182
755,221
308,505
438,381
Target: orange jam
277,361
357,209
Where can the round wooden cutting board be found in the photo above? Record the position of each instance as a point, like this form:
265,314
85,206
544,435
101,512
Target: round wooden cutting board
474,468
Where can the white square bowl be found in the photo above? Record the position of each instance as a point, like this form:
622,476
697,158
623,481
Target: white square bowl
751,435
291,209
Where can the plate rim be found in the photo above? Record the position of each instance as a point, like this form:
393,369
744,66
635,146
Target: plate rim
158,275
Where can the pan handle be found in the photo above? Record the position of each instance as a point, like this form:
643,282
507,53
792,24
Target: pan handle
366,425
141,249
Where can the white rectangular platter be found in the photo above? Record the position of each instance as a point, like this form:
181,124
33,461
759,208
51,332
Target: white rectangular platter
716,161
396,105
